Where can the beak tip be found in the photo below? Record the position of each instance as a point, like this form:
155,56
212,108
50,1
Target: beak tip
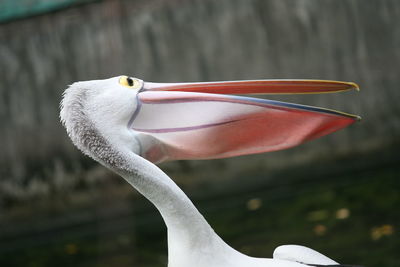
355,86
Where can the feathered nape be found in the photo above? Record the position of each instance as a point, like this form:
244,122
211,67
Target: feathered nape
83,132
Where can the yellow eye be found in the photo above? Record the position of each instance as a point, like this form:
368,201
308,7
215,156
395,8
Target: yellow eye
130,82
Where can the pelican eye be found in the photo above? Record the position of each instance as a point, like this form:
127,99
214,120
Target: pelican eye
130,82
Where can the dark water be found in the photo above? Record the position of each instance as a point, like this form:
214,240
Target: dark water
351,214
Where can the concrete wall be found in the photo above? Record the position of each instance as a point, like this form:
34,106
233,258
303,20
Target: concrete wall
194,40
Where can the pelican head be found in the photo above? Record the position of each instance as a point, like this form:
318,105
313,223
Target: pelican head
95,114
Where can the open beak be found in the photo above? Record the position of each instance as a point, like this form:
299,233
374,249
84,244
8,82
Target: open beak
208,120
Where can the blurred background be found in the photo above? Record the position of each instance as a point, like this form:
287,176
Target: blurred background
339,194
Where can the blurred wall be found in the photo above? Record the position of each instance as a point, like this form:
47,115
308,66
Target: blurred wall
194,40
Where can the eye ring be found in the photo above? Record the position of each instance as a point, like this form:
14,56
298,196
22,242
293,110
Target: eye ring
130,82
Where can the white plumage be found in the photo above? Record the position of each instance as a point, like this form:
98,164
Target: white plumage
100,120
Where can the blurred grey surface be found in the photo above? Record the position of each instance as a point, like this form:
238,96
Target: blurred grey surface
171,41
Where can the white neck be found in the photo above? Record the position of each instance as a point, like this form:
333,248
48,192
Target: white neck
188,231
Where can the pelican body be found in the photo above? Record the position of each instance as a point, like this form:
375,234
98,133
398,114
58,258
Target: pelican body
129,125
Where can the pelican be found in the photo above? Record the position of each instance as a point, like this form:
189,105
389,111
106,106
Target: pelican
129,125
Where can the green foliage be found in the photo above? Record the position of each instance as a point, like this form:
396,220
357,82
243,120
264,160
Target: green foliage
11,9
